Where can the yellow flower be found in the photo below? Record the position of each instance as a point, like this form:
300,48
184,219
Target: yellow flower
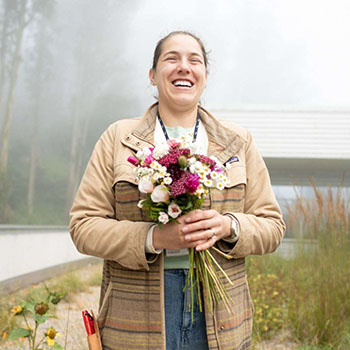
275,293
50,342
4,336
17,309
51,333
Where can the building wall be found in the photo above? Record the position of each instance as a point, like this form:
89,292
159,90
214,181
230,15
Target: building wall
298,145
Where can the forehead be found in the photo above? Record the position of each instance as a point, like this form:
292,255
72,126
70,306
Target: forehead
182,43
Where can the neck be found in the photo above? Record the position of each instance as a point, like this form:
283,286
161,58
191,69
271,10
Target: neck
173,118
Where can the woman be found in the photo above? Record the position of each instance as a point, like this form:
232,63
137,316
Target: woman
142,305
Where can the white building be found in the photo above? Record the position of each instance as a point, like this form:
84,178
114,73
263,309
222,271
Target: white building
299,144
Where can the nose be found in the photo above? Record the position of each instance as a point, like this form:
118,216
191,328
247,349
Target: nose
184,66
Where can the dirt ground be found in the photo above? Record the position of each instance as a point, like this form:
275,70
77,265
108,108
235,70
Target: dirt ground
69,322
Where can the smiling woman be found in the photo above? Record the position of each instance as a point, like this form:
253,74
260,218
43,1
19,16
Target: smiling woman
180,75
144,301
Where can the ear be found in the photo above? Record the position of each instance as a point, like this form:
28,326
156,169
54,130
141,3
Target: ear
151,75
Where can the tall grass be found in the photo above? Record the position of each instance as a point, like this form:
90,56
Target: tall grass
319,288
314,287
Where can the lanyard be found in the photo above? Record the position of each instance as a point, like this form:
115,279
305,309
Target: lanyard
166,134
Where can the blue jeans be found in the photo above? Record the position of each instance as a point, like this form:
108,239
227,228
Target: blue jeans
181,332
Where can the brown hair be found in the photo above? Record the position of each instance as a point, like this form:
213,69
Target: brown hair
159,47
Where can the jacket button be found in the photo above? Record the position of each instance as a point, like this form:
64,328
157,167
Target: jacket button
138,143
128,138
222,328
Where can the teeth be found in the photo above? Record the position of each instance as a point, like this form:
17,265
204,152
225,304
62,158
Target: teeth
182,83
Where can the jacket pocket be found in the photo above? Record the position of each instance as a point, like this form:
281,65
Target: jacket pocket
231,198
127,195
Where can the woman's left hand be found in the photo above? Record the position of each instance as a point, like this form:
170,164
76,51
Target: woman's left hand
205,227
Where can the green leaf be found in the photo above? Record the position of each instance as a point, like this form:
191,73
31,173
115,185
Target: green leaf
19,333
57,347
41,318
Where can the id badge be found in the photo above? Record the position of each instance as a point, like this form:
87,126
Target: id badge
176,252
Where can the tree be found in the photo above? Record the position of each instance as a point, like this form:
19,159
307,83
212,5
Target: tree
40,72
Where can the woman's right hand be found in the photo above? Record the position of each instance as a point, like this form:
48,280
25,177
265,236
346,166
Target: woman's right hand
170,236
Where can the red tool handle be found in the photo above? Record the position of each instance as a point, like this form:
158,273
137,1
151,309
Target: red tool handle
89,323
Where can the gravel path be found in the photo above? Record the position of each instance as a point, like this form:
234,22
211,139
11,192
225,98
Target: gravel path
70,313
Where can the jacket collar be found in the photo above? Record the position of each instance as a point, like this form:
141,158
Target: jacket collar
223,142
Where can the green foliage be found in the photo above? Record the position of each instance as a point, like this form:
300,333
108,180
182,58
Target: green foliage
266,277
34,312
314,287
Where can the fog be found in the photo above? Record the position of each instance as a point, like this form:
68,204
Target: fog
70,68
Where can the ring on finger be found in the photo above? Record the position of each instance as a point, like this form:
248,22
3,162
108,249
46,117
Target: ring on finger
213,236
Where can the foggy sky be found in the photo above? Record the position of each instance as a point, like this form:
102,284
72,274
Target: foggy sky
263,52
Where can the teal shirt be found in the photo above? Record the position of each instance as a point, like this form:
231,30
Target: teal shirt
176,262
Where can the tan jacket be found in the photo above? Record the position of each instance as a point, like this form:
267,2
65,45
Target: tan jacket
106,222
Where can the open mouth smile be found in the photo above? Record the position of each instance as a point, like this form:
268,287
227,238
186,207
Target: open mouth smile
182,83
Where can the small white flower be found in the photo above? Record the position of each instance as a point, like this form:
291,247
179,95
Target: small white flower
214,175
208,182
192,160
168,180
161,173
155,177
163,217
220,186
155,165
174,210
202,178
150,171
140,203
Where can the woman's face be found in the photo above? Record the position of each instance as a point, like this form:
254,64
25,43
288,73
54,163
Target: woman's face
180,74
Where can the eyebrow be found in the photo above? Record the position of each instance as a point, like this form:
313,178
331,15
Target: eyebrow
177,53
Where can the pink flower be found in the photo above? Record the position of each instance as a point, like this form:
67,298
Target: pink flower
174,210
172,143
145,185
160,194
149,159
133,160
192,182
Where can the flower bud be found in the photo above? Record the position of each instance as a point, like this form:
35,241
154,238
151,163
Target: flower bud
41,308
182,161
51,333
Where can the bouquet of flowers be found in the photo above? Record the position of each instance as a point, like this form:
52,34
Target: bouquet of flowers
176,179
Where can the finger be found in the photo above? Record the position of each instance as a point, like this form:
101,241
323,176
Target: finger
206,245
197,215
196,243
198,226
200,235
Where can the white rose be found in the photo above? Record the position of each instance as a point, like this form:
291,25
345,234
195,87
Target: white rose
163,217
145,185
160,194
160,150
174,210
